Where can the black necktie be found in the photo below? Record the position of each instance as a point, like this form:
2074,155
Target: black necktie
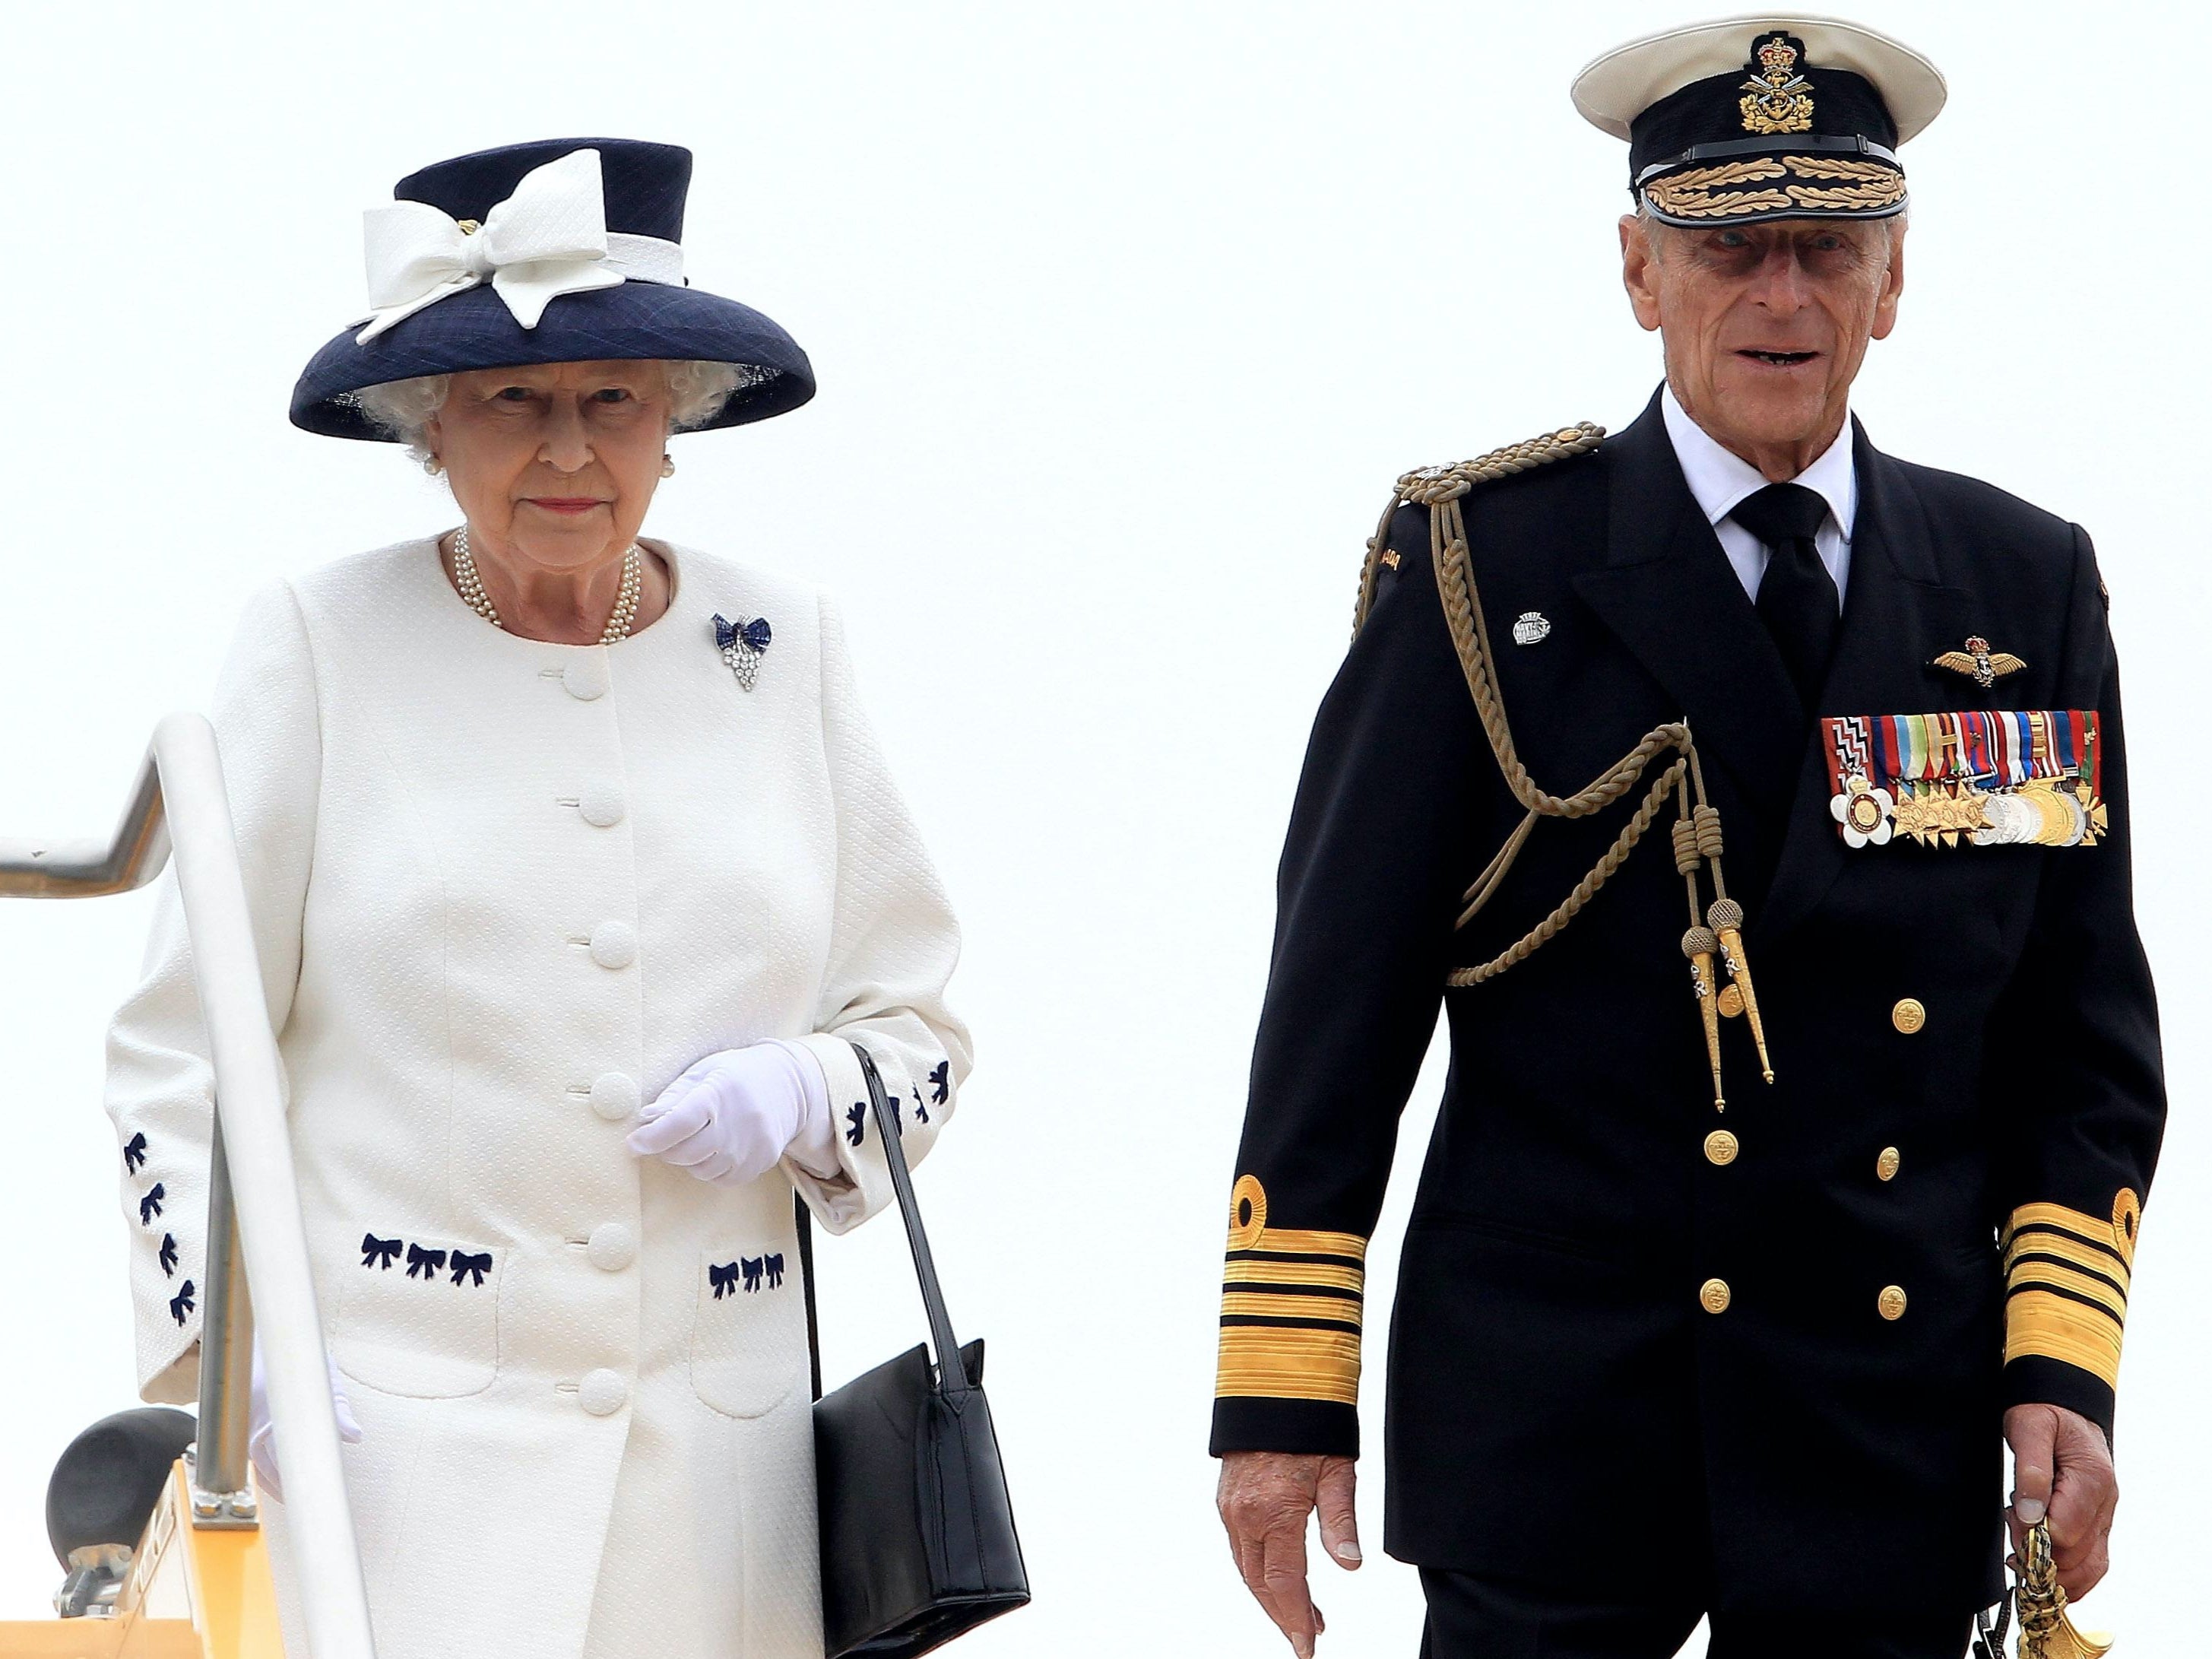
1796,596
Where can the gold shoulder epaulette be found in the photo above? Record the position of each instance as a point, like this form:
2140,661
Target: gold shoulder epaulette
1433,486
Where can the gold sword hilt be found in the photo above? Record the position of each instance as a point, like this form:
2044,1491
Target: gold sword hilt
1699,945
2045,1631
1724,916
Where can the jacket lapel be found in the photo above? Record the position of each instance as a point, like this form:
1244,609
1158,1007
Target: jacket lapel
1667,590
1895,604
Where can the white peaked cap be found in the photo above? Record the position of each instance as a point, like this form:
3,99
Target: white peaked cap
1617,86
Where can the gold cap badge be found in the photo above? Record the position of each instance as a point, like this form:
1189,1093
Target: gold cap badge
1777,99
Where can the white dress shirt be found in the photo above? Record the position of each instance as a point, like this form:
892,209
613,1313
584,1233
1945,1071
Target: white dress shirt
1719,479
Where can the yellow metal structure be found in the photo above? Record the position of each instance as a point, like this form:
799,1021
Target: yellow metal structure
192,1593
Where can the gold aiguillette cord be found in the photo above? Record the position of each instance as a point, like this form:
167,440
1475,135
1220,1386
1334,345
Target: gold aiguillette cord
1715,941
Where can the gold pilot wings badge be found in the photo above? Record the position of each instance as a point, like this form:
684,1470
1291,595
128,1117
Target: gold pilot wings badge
1986,666
1990,777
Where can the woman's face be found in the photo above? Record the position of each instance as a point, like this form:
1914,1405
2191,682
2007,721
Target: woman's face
554,464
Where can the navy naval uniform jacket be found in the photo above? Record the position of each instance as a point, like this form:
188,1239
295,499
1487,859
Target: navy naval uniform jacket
1930,1214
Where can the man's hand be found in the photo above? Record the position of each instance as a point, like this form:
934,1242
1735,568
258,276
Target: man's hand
1264,1498
2062,1465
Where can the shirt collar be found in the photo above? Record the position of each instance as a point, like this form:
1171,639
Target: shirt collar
1719,479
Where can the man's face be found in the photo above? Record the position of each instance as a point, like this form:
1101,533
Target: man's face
1765,325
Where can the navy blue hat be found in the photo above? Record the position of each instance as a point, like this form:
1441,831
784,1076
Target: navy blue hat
1751,119
568,250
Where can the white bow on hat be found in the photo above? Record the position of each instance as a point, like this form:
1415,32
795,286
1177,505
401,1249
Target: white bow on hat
548,238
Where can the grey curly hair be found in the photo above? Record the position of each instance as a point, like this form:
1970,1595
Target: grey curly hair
697,393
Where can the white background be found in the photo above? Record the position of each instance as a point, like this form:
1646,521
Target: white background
1125,318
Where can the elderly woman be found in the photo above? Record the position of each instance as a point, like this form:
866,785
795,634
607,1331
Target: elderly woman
576,877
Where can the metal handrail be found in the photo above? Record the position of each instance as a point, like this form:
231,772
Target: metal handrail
255,1229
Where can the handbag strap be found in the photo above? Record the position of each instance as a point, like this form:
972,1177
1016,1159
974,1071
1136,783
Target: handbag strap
952,1375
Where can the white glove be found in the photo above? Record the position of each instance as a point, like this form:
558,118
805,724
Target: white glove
730,1116
260,1437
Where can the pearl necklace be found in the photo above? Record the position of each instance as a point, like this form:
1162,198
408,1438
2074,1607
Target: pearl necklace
618,627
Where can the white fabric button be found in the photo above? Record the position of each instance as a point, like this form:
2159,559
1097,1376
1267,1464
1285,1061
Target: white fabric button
601,804
614,944
585,676
615,1096
612,1247
603,1392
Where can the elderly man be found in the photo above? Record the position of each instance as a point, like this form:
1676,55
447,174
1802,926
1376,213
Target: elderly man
1723,1286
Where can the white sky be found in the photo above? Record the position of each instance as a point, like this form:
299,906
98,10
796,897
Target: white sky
1125,318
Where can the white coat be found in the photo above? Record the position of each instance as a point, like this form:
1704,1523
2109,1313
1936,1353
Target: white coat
502,890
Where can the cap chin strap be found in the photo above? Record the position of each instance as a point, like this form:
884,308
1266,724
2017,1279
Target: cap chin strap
1802,143
548,238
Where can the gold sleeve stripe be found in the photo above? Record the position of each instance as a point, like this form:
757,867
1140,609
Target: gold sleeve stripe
1293,1241
2071,1250
2116,1232
2066,1278
1249,1229
2058,1327
1289,1363
1242,1270
1344,1310
1290,1307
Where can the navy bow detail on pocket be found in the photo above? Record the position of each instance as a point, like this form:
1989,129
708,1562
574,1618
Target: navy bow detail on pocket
940,1080
474,1265
181,1303
168,1256
724,1278
775,1272
134,1153
751,1264
150,1206
379,1252
423,1264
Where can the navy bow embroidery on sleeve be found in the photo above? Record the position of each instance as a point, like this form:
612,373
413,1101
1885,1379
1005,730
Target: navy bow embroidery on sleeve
168,1256
857,1116
941,1080
423,1264
475,1265
751,1264
150,1206
181,1303
921,1108
379,1252
134,1154
775,1272
723,1277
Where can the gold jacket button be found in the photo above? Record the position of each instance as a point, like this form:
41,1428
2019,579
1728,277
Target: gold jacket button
1885,1166
1713,1295
1720,1147
1909,1016
1893,1302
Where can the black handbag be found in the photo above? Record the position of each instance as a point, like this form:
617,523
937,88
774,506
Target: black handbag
918,1543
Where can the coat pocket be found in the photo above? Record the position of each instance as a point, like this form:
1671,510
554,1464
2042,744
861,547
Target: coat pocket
420,1316
748,1327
